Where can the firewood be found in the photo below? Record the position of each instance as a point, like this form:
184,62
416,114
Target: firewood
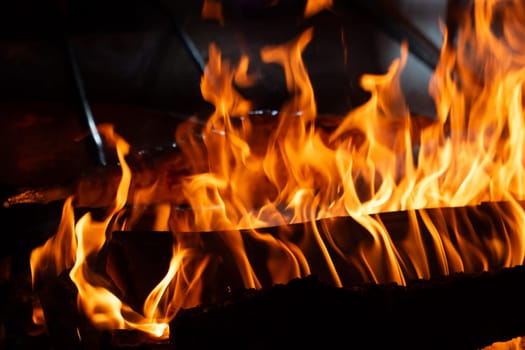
470,234
95,187
137,262
462,311
453,311
58,300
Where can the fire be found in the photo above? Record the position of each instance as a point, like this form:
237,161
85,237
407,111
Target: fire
212,9
55,256
314,6
244,183
76,245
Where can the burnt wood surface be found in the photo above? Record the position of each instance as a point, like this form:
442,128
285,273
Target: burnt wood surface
462,311
457,312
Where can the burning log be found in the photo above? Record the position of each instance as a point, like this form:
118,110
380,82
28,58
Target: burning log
454,311
163,168
463,311
137,263
162,162
460,311
58,299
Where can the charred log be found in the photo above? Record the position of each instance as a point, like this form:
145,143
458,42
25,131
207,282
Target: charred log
446,240
463,311
58,300
453,311
55,165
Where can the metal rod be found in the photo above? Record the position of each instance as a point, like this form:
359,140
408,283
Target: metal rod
85,106
190,47
60,10
186,39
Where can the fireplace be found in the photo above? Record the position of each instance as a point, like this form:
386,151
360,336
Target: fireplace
276,212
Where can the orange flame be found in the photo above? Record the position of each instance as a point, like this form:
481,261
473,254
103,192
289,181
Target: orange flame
54,256
244,182
212,9
315,6
371,164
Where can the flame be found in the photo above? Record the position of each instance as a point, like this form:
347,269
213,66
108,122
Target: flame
372,163
375,198
315,6
212,9
54,256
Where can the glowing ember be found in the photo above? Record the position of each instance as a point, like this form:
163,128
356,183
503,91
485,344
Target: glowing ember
300,173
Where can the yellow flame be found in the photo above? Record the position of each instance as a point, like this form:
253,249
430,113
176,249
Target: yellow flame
179,288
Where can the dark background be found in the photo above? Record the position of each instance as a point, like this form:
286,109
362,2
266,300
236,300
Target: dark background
139,75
